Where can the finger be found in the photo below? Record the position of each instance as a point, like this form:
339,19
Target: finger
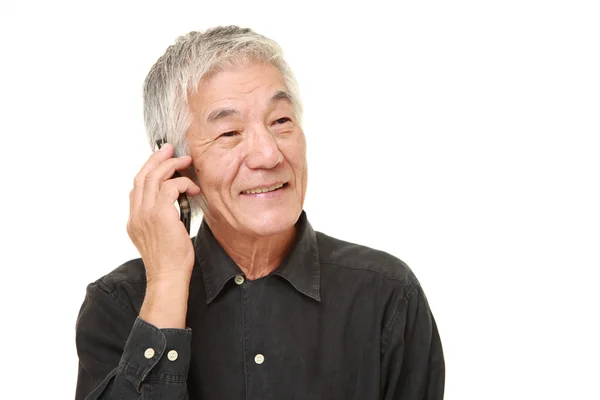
156,158
171,189
136,197
160,174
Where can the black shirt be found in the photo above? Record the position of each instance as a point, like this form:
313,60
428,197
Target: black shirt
336,320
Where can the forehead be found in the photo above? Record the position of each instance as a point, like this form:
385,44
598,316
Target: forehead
252,83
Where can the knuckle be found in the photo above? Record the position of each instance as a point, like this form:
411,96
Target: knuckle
168,185
173,188
138,181
129,228
145,211
152,217
132,226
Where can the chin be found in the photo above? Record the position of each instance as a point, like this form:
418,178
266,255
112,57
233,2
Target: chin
269,222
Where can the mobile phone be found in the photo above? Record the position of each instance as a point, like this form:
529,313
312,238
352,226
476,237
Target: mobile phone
185,211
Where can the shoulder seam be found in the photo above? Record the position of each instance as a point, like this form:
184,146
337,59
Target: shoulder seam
380,273
112,293
412,288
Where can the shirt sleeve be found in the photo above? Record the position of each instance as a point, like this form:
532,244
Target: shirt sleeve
123,357
413,365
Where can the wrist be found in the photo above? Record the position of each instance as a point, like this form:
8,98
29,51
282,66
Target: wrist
168,282
165,303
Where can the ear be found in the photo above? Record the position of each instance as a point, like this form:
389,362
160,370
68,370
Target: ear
190,172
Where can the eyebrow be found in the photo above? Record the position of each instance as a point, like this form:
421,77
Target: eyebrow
222,113
281,95
227,112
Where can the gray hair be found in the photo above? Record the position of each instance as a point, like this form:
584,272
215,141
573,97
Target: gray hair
177,73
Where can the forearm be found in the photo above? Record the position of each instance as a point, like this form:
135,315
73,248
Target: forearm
165,303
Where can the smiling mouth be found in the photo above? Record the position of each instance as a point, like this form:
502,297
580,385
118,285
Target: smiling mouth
265,189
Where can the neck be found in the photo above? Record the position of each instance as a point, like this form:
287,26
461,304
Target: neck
256,256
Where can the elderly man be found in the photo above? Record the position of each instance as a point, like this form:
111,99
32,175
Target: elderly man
257,305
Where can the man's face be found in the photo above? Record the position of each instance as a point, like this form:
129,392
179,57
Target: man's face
244,138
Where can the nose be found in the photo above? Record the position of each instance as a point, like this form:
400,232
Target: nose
263,152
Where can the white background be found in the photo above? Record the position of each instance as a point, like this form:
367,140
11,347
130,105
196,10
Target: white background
461,136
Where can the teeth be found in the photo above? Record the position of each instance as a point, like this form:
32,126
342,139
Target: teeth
262,190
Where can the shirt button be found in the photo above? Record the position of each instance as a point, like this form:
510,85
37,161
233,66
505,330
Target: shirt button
259,358
239,279
149,353
172,355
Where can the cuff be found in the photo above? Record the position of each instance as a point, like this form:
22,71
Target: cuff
153,354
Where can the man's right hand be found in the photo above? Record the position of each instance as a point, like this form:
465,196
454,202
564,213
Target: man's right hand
161,239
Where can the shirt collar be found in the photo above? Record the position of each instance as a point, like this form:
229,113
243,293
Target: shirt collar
300,267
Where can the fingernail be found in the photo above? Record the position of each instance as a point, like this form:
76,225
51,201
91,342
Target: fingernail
165,146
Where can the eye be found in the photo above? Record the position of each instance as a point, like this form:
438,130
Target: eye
229,134
282,120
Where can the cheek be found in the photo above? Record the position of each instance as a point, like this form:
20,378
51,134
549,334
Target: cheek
294,152
218,170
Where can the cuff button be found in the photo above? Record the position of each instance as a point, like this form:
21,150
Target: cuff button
172,355
149,353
